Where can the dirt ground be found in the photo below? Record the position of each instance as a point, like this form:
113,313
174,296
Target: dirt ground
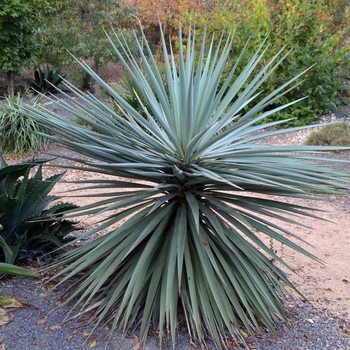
326,284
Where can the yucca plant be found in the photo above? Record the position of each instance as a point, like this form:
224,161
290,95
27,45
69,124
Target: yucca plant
189,186
128,89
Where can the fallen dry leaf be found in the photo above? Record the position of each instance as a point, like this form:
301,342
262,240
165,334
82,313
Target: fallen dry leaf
85,333
54,328
10,302
43,321
137,345
244,334
91,319
93,344
65,296
5,319
310,337
298,268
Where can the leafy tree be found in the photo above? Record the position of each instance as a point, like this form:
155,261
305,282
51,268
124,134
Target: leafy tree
79,29
151,11
18,22
306,29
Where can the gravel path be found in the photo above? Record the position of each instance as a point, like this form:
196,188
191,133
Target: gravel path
39,326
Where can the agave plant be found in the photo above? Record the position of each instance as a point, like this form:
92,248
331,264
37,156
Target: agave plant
9,269
188,187
46,80
27,228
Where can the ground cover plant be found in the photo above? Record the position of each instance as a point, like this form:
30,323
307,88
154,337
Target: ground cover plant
337,134
189,178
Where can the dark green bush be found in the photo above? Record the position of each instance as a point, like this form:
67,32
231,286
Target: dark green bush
27,228
46,80
337,134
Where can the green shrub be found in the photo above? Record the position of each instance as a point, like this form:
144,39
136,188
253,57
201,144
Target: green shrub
81,122
18,133
186,225
337,134
307,30
28,229
46,80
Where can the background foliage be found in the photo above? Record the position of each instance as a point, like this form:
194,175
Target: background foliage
315,32
79,29
305,28
18,22
337,134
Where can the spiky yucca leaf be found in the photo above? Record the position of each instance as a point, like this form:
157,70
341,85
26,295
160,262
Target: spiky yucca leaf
190,236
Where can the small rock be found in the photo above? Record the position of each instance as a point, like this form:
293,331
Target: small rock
310,337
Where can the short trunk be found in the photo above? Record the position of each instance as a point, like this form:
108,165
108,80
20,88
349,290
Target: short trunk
9,83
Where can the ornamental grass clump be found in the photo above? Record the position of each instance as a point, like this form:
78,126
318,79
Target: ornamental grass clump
187,199
18,133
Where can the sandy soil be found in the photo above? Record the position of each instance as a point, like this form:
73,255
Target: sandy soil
326,285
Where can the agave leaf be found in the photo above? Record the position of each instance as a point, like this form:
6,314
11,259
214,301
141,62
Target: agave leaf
10,269
33,202
23,199
3,242
11,257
